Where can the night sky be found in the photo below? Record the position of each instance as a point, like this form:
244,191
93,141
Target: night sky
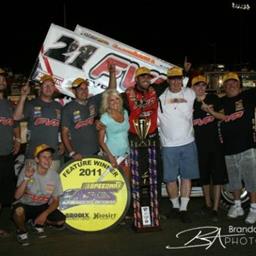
205,31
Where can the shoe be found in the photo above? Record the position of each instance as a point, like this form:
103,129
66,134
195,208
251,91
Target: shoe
235,211
39,230
214,216
184,216
174,213
251,218
22,238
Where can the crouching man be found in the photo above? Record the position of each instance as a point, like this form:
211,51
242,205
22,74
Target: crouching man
37,194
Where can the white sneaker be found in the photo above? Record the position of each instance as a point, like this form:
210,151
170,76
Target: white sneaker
251,218
235,211
40,232
22,238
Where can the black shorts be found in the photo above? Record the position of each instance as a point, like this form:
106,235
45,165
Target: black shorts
212,167
32,211
7,180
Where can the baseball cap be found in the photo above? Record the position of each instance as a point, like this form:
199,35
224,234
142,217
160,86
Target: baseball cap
198,79
78,81
229,76
42,147
174,72
45,78
142,71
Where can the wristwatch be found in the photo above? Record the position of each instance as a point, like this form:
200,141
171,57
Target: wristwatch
72,153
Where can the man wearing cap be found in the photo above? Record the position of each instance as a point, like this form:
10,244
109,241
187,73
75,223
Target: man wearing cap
141,101
179,150
9,146
43,115
210,151
239,138
37,194
79,132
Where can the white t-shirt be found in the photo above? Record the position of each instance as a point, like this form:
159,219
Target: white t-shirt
175,123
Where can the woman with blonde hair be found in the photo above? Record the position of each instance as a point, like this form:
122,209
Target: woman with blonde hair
113,139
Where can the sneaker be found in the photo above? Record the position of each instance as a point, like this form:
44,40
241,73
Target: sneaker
184,216
39,230
251,218
235,211
22,238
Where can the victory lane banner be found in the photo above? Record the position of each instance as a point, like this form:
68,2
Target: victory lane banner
95,197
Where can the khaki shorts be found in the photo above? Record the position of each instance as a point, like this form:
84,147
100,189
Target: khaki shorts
242,167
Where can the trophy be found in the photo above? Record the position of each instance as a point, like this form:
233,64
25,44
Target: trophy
142,126
144,178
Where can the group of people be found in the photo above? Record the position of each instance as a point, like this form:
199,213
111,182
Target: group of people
189,132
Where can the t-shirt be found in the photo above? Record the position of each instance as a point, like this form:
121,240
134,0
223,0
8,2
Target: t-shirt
6,127
206,125
116,134
80,120
43,125
40,188
175,117
238,129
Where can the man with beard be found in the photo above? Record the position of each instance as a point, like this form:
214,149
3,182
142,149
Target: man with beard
43,115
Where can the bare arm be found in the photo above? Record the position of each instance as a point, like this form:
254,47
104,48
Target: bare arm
41,218
209,109
18,113
68,145
29,171
104,147
112,77
17,141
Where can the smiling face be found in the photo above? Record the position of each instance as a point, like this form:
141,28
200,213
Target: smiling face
175,84
47,89
143,81
114,102
44,160
199,89
82,91
232,88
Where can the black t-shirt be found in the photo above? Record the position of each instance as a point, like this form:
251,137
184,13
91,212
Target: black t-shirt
238,130
206,125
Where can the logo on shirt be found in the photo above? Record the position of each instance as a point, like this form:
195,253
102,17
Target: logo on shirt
178,100
6,121
37,111
239,105
76,116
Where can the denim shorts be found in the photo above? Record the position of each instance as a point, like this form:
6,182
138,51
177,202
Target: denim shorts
180,161
242,166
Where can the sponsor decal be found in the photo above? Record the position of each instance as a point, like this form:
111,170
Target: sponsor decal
96,195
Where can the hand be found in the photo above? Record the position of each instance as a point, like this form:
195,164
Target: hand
61,149
25,90
16,147
41,219
77,156
113,161
187,65
111,68
29,169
